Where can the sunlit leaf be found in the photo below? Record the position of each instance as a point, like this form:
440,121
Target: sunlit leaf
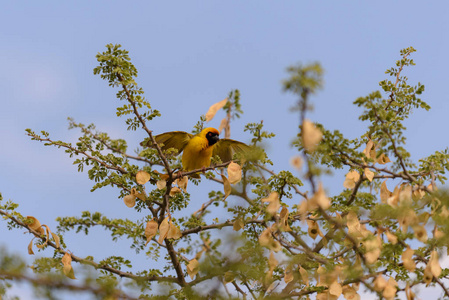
405,194
182,183
351,178
350,293
304,276
311,136
391,237
354,227
135,193
226,186
238,224
174,232
214,108
335,289
267,240
383,159
164,176
384,192
390,289
420,233
142,177
283,222
273,203
56,239
321,199
380,283
437,234
408,292
35,225
150,230
163,230
160,184
30,247
174,190
288,274
296,162
223,124
272,261
193,268
67,266
130,200
368,149
434,265
407,260
313,229
369,174
234,173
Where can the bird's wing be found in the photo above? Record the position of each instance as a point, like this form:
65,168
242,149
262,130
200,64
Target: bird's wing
174,139
225,149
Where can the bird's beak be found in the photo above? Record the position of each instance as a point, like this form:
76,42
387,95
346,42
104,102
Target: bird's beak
215,139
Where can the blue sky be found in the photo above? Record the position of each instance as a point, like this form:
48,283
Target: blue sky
190,54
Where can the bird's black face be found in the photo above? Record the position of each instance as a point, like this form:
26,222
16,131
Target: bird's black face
212,138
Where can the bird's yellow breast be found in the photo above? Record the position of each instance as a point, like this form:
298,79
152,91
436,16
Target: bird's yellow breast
197,154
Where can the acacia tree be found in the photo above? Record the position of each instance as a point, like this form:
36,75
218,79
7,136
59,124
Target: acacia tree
383,233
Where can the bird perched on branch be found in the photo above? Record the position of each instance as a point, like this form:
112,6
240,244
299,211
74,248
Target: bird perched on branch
199,149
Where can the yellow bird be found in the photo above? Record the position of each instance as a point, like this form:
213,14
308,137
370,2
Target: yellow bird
199,149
